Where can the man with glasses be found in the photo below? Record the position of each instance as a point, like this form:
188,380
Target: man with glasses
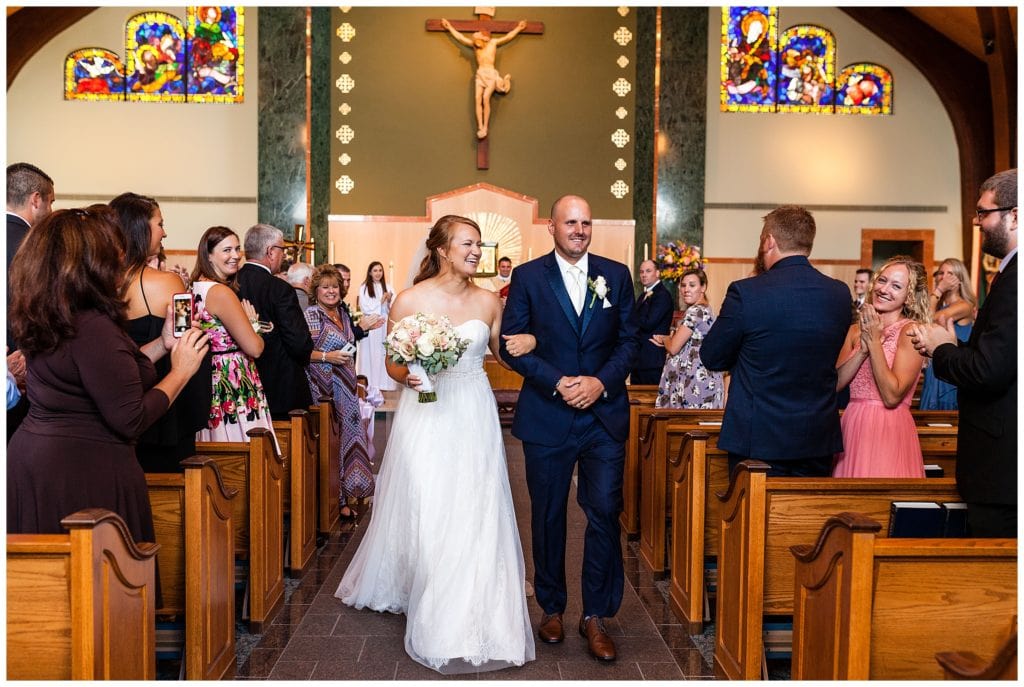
984,371
288,345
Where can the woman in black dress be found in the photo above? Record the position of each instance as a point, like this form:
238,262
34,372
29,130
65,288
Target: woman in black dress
92,391
148,293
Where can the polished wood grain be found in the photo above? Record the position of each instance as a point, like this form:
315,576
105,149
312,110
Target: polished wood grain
328,478
967,665
641,403
299,450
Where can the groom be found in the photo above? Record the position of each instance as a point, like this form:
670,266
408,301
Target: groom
573,411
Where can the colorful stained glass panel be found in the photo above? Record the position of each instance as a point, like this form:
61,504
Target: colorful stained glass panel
93,74
807,70
216,50
749,58
155,57
864,89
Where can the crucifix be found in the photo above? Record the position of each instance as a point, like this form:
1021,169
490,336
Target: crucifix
488,79
294,248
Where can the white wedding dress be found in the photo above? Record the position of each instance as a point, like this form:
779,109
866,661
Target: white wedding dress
442,545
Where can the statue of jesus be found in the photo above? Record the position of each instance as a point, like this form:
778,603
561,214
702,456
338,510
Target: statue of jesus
488,80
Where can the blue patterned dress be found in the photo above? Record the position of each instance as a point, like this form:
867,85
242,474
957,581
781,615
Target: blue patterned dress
685,382
339,382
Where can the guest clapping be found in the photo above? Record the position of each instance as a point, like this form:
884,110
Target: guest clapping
685,382
953,300
332,372
881,366
238,403
92,391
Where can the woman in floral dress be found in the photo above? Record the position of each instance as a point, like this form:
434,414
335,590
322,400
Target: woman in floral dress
685,382
331,372
238,403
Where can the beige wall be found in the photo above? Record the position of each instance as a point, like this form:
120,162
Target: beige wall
907,159
199,161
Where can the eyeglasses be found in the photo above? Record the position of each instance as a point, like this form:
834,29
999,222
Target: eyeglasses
982,212
280,248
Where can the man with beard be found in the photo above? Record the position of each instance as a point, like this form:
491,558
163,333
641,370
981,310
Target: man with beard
984,371
779,333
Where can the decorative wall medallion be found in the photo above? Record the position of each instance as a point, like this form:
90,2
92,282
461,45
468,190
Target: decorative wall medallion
346,32
621,113
344,108
622,36
345,134
620,189
345,83
623,61
345,57
621,87
623,11
345,158
620,164
345,184
620,138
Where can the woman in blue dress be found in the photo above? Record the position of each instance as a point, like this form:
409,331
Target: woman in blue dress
952,300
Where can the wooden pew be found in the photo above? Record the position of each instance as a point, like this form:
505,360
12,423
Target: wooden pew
81,606
300,452
967,665
328,466
641,404
868,608
761,518
192,514
257,472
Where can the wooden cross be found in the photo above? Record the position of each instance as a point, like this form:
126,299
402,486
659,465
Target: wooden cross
485,22
295,247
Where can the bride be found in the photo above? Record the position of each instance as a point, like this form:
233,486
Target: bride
442,545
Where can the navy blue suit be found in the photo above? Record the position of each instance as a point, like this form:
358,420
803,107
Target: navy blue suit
601,342
654,316
779,334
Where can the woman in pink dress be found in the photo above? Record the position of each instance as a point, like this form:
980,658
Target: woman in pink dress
880,364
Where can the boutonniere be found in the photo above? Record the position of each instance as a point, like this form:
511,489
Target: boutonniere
598,287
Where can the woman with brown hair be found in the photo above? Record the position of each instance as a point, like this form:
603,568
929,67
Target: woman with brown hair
880,364
148,292
952,299
237,402
332,372
92,391
375,298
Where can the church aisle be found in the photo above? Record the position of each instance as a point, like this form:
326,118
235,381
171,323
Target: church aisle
317,637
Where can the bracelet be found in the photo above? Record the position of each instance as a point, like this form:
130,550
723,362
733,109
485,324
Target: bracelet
323,356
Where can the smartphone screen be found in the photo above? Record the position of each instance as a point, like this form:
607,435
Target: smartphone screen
182,313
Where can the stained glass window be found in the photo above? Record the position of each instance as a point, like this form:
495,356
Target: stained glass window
749,58
155,57
807,68
93,74
216,46
864,89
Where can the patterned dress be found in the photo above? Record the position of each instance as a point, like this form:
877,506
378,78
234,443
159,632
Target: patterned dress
935,393
685,382
238,403
339,382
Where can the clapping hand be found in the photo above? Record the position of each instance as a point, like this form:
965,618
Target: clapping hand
927,337
870,327
370,322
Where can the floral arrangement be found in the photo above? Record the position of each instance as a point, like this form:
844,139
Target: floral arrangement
426,344
673,259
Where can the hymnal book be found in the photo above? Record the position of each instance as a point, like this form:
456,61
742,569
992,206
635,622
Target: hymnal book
916,519
933,470
956,519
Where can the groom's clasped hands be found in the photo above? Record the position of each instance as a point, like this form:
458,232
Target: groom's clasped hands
581,391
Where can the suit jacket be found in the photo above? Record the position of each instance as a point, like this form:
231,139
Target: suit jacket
16,230
601,342
984,370
286,350
654,316
779,334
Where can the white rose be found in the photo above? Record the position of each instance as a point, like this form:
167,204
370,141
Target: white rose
425,347
407,350
601,287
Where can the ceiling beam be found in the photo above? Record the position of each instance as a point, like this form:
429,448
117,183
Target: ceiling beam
30,28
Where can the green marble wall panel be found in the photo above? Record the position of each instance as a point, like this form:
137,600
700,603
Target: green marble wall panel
643,169
282,117
682,123
320,136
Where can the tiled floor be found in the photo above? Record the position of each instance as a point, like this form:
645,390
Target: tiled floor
317,637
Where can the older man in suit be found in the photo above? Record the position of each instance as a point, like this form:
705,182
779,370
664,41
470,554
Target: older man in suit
779,333
287,347
984,371
654,316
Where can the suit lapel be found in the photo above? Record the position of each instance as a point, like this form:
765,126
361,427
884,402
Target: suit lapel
554,276
590,302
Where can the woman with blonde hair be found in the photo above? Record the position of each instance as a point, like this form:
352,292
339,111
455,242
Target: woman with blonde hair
953,300
879,363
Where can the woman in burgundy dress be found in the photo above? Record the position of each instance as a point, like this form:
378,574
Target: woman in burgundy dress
92,392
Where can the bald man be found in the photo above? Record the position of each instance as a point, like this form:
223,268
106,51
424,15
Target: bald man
654,316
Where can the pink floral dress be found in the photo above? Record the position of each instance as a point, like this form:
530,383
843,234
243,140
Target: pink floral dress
238,403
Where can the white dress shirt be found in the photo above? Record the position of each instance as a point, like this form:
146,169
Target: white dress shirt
575,279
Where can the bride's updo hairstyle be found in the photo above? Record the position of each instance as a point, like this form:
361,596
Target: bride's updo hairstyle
440,237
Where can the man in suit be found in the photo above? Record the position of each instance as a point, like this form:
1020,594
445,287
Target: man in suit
287,348
573,412
984,371
779,333
29,200
654,316
861,282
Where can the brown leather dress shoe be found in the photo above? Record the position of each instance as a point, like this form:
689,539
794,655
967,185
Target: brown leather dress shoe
599,644
550,630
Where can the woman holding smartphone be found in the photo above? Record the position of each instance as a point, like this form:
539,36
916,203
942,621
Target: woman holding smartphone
149,292
332,372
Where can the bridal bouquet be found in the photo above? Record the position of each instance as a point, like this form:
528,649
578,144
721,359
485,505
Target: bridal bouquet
426,344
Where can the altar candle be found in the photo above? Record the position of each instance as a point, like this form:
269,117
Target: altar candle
391,271
529,254
645,251
331,258
629,257
300,232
